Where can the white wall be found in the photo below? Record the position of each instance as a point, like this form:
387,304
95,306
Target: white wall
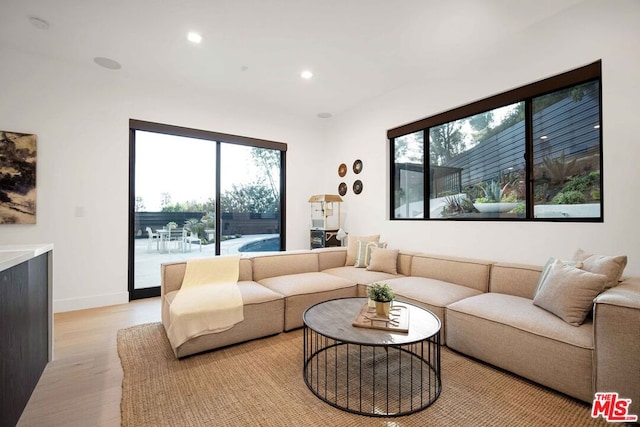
81,116
590,31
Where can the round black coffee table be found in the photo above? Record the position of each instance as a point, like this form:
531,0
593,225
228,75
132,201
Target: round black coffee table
369,371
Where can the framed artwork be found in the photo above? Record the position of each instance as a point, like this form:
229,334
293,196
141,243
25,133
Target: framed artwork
342,188
17,178
357,186
342,170
357,166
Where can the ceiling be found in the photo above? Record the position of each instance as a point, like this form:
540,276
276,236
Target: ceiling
256,49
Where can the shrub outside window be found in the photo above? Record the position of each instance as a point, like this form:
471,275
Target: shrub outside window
536,158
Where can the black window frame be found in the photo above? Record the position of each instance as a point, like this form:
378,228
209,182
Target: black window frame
218,138
588,73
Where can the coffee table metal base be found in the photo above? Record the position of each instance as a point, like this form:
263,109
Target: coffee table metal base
374,380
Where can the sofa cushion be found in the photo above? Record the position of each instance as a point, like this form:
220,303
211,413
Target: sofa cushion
263,316
306,283
520,280
568,292
284,263
512,333
305,289
252,293
432,291
331,257
468,272
352,246
610,266
360,276
384,260
363,254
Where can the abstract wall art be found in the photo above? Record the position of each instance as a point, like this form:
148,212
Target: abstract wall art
17,178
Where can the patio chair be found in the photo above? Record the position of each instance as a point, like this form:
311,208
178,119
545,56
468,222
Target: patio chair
153,237
189,237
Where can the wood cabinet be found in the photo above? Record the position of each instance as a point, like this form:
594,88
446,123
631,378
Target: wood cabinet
24,334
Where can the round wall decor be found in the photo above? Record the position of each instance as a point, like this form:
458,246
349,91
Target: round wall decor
357,166
342,188
357,186
342,170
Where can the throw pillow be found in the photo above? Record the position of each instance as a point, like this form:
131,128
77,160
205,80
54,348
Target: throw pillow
547,267
384,260
352,246
610,266
364,252
568,292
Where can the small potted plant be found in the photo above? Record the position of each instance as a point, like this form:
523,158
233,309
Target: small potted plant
382,294
172,225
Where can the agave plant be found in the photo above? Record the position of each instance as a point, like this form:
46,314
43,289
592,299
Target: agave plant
492,192
558,169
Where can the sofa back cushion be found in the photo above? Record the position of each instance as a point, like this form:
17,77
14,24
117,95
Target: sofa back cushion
404,262
520,280
473,273
331,257
284,263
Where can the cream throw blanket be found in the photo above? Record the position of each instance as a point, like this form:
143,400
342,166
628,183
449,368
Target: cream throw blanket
209,300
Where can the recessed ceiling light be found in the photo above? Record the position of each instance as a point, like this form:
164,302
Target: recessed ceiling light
107,63
40,24
306,74
194,37
324,115
596,126
544,137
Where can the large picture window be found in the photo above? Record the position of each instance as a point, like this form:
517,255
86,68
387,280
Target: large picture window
533,153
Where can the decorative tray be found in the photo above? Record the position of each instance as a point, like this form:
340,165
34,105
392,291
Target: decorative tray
398,320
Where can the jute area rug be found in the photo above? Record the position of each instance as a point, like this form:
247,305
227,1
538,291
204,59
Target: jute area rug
259,383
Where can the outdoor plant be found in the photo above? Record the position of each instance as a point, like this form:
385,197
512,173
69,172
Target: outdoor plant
571,197
492,191
380,292
558,170
195,226
172,225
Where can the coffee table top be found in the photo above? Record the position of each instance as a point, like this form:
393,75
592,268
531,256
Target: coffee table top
334,319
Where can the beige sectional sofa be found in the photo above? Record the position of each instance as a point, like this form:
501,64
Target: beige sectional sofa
486,309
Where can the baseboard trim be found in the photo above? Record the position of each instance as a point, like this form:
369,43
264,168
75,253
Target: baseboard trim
72,304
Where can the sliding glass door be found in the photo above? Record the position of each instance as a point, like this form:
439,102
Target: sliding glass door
199,194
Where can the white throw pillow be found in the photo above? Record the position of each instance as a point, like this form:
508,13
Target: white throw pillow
352,246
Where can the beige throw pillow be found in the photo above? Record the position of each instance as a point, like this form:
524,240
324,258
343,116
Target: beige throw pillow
384,260
568,292
547,268
610,266
352,246
364,252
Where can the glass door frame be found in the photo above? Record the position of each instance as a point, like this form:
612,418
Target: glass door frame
219,139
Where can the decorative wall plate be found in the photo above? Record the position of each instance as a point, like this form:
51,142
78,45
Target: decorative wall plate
342,188
342,170
357,186
357,166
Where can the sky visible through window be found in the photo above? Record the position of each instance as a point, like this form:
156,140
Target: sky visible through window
185,168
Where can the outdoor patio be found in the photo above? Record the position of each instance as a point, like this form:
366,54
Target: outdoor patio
148,260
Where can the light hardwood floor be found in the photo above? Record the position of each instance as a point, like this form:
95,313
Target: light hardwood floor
82,385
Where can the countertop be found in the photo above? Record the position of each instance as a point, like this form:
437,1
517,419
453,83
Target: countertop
12,255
